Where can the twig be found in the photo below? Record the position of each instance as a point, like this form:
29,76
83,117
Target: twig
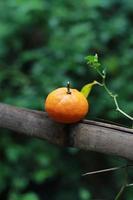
124,184
122,190
103,170
121,111
114,96
129,185
120,193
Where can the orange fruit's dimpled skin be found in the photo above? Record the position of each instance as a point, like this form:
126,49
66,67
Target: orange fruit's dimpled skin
66,108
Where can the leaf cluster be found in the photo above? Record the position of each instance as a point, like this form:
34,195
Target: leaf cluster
93,61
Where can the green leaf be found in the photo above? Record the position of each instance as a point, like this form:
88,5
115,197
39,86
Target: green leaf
19,183
41,175
87,88
29,196
93,61
84,194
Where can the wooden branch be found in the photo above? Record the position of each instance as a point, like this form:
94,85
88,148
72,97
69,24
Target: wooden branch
87,135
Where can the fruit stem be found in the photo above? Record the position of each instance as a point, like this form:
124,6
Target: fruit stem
68,88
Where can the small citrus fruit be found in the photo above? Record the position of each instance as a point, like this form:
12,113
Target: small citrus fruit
66,105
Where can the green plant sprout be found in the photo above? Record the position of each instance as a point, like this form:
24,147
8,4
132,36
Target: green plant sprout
93,62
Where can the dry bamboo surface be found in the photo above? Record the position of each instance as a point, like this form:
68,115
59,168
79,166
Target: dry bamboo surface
87,135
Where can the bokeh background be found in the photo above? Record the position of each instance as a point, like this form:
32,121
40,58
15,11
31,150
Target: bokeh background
43,44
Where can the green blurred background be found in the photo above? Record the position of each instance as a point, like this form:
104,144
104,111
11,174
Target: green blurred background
42,45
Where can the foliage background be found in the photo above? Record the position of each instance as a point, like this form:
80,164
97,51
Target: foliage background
42,45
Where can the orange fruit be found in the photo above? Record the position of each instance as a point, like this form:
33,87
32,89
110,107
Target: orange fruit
66,105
